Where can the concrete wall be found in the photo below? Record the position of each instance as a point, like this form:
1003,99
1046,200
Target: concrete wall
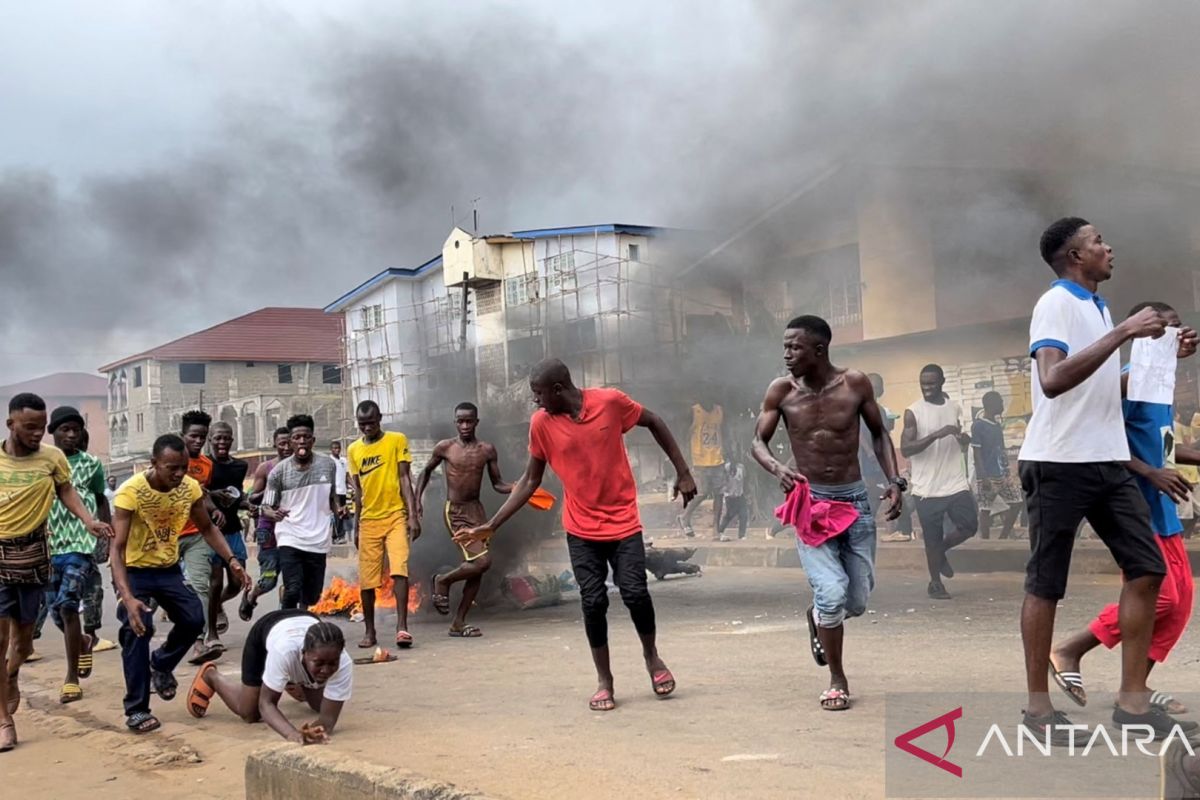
289,771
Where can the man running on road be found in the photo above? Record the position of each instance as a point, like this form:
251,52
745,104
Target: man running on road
465,458
821,406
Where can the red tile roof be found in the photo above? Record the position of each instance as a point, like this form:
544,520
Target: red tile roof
284,335
60,384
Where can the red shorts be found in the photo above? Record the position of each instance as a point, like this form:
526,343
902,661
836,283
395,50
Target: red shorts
1172,610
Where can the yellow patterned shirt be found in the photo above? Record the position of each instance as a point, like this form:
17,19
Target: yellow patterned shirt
158,517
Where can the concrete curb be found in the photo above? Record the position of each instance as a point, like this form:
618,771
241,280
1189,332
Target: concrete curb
288,771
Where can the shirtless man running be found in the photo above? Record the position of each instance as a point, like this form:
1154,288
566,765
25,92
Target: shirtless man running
465,458
821,406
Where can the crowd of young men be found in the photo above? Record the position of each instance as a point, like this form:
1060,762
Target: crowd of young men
1088,454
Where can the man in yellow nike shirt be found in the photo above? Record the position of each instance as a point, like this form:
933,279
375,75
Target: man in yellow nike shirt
380,474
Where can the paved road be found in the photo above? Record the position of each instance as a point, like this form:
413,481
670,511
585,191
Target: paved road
506,714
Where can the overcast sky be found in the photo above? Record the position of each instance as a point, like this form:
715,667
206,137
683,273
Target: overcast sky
165,166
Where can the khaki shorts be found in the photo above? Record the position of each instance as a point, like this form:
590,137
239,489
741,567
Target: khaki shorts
378,538
467,515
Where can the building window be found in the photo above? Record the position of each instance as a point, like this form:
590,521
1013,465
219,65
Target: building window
379,373
331,373
370,317
285,373
137,377
520,290
249,363
191,373
140,424
635,253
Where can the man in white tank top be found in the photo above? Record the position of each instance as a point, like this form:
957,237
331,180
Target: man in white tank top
934,442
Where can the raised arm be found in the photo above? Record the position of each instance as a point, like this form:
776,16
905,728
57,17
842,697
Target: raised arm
685,484
764,430
1060,372
493,466
911,444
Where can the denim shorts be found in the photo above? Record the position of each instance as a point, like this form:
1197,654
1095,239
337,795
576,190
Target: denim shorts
237,546
841,571
69,574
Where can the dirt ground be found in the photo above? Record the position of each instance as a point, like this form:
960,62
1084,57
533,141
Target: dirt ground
507,714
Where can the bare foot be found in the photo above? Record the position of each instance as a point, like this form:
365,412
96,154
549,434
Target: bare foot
368,640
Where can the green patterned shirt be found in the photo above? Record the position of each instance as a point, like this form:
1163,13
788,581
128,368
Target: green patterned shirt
67,533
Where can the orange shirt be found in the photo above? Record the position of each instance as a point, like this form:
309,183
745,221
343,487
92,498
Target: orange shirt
588,455
200,470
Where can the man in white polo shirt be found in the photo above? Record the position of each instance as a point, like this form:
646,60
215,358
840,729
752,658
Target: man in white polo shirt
1072,467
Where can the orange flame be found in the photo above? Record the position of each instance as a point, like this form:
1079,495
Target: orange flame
343,597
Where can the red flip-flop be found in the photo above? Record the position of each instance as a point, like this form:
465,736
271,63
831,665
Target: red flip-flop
600,698
404,640
663,682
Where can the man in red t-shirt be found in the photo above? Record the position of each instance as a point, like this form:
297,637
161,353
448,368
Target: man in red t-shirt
580,434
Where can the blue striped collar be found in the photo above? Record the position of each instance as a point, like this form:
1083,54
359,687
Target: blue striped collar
1081,292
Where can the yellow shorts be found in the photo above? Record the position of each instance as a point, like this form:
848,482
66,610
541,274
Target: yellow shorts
377,538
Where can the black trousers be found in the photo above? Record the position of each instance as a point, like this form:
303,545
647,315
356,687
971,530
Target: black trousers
590,559
303,575
735,508
963,513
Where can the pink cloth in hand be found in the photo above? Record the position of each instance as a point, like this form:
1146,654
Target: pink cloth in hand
815,521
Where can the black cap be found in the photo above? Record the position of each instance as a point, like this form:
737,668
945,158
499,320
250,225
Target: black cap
64,414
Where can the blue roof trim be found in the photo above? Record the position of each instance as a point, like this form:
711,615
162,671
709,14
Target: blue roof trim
404,273
586,230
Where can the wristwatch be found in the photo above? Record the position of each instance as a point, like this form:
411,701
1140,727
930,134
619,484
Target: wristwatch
900,483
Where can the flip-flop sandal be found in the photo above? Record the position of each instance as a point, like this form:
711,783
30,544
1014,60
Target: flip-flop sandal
8,737
440,602
70,693
164,684
103,645
206,654
379,657
467,632
222,622
602,700
246,607
200,693
85,657
1167,703
1072,684
663,682
834,699
814,641
404,640
142,722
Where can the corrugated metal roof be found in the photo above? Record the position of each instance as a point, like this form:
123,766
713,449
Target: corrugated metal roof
283,335
388,274
60,384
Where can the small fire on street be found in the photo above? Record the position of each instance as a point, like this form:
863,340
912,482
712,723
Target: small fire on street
343,598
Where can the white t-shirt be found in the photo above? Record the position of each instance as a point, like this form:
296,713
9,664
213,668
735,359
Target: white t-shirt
304,493
340,479
1085,424
939,470
285,665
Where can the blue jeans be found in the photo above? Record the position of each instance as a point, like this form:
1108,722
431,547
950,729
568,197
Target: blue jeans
164,585
841,571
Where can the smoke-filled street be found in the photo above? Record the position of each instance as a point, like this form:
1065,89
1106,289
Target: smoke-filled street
507,714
